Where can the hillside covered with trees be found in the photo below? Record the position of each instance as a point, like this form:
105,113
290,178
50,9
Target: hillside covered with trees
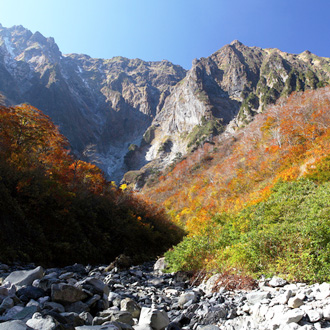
257,201
56,210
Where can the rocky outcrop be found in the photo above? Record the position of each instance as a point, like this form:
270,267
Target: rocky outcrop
141,297
107,104
225,90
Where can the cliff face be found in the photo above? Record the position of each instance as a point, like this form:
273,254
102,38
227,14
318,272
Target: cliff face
131,114
106,104
224,91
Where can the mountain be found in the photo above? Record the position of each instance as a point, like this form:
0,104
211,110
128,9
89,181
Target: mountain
137,116
223,92
255,202
107,104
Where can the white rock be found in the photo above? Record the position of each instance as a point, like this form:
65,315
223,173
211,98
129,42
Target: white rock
295,302
294,315
39,323
257,296
25,277
314,315
284,298
326,312
277,282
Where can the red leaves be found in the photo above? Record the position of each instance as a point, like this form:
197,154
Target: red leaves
237,169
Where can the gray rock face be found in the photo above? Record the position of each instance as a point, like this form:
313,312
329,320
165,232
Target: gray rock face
108,103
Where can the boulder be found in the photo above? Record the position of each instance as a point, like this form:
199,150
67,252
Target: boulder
30,292
160,265
186,297
257,296
314,315
64,293
277,282
38,322
123,317
131,306
295,302
294,315
14,325
25,277
156,319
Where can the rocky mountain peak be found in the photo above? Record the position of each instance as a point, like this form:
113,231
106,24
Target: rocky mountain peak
136,111
236,43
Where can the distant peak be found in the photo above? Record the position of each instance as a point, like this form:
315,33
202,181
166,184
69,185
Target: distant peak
236,42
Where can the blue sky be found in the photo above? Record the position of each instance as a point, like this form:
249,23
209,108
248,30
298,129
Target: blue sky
176,30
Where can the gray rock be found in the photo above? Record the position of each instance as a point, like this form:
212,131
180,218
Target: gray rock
186,297
77,307
99,320
56,307
98,327
25,277
87,317
30,292
277,282
26,313
38,322
64,293
142,327
72,319
6,304
95,285
131,306
160,265
156,319
10,313
257,296
207,327
14,325
295,302
294,315
123,317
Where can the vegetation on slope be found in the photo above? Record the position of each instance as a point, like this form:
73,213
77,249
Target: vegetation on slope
56,210
256,202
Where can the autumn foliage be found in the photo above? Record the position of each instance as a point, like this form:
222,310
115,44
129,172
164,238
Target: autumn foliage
55,209
209,192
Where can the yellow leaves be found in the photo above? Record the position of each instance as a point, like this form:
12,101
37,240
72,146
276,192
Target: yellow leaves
123,187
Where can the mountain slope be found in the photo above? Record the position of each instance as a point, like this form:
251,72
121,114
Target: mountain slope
106,103
256,201
141,116
57,210
226,90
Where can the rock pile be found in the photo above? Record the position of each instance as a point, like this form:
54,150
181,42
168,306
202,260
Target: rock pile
143,298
